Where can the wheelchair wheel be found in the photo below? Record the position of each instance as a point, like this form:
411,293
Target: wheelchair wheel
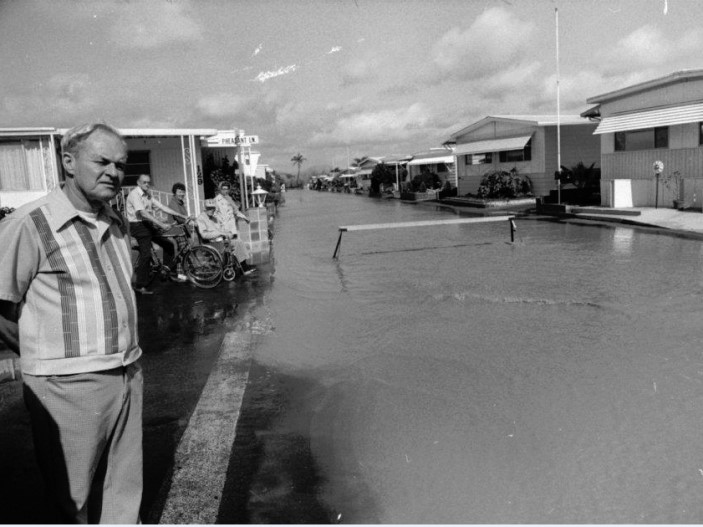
228,273
203,265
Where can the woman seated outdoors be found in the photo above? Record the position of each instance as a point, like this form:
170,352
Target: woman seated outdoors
213,232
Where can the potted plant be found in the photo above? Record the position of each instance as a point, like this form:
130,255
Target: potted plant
674,183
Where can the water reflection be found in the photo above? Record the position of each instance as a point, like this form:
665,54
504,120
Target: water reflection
461,379
622,241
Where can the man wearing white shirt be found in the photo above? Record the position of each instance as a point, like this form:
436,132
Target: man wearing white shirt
146,227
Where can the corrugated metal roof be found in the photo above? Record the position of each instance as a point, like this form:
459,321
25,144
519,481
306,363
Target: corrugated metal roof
27,131
672,78
160,132
432,160
492,145
545,120
689,113
524,120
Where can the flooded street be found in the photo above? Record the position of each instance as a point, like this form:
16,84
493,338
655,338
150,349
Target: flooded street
444,375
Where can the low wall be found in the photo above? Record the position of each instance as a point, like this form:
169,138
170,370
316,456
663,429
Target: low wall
256,234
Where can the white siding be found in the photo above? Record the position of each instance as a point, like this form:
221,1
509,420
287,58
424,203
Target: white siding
679,93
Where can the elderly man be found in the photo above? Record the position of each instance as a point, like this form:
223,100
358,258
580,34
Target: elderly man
67,308
212,231
146,227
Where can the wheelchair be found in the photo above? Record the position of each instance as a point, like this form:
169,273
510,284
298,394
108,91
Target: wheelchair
230,265
202,264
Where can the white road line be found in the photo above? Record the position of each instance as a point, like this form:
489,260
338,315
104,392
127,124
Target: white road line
202,458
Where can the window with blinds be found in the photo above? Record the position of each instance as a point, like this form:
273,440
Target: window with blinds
21,166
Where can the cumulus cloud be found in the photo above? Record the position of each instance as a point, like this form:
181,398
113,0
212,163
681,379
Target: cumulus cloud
334,49
358,71
649,47
153,24
521,77
380,126
246,110
497,39
60,95
221,105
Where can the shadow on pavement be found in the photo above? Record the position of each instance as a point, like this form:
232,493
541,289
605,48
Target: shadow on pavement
272,476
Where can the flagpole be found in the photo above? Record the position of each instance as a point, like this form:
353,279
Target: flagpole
556,19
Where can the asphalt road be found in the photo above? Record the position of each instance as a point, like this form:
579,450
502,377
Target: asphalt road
207,406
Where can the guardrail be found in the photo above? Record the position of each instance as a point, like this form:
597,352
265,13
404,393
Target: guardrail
374,226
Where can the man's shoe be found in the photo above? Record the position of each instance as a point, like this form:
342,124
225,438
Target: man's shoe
179,278
249,271
143,291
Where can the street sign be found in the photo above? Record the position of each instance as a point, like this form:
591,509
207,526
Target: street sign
225,139
245,140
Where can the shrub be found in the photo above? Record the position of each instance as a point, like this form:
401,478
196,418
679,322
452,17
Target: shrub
499,184
424,181
580,175
447,191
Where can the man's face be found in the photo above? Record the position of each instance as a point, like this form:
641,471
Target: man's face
98,166
224,189
180,194
210,212
144,182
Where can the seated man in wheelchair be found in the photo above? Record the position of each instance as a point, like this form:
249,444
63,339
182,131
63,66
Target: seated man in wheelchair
212,232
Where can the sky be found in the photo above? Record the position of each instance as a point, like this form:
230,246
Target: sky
333,80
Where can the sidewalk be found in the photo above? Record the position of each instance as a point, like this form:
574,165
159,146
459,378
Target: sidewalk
687,223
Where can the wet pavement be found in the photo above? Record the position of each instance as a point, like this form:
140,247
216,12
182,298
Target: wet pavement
210,459
195,342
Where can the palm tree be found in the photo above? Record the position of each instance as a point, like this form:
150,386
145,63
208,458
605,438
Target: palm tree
298,160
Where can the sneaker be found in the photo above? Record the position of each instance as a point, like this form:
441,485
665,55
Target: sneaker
249,271
179,278
143,291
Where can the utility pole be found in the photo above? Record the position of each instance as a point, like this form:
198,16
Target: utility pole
556,19
242,177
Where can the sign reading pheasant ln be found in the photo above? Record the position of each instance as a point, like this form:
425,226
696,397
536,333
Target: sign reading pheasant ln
230,139
246,140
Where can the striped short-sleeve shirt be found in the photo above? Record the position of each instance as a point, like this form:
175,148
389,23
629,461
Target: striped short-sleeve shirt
77,308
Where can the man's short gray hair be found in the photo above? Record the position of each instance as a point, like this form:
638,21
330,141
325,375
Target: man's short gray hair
72,139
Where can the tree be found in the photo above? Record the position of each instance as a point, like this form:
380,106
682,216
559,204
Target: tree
381,175
215,174
298,159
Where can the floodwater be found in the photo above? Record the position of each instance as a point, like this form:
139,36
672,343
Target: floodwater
450,376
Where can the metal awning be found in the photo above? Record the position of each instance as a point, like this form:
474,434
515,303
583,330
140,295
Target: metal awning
492,145
690,113
364,172
432,160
